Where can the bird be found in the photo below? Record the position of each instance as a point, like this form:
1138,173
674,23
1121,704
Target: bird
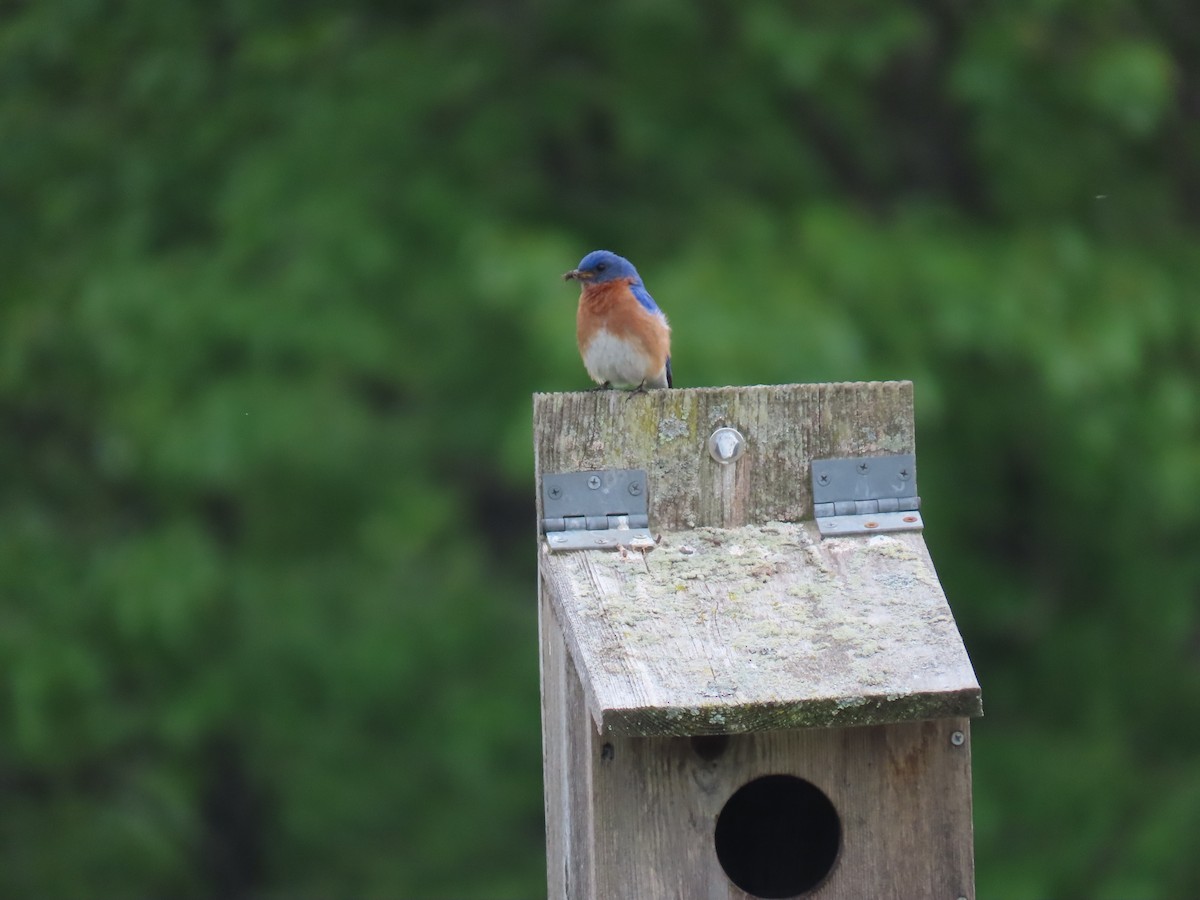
623,336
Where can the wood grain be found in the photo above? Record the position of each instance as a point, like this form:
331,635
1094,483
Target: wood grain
666,432
567,754
760,628
902,793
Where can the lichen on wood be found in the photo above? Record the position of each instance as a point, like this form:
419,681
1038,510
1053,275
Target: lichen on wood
761,627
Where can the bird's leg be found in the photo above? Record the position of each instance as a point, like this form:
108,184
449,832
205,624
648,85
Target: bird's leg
640,389
607,386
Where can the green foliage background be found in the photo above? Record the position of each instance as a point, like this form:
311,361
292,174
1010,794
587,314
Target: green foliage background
277,281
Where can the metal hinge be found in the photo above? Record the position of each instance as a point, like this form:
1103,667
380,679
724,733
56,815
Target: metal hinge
596,510
866,494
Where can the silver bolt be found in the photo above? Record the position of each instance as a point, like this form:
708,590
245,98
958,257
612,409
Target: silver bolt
823,478
957,738
635,488
594,482
600,542
725,445
554,492
862,468
904,474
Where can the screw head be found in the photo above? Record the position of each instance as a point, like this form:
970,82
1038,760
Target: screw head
635,488
594,482
725,445
823,478
957,738
903,473
862,468
554,492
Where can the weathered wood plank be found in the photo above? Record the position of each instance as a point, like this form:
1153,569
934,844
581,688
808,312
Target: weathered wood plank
666,432
902,793
759,628
567,750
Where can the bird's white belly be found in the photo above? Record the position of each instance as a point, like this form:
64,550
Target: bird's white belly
615,360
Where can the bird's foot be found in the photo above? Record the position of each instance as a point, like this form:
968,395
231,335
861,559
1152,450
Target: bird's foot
607,386
640,389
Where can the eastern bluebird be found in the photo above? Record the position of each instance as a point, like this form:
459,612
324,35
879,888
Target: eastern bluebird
623,336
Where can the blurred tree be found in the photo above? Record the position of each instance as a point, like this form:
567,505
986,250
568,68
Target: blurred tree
277,282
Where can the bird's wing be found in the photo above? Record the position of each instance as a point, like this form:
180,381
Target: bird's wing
644,298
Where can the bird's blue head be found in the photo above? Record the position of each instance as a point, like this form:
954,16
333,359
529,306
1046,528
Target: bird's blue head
603,265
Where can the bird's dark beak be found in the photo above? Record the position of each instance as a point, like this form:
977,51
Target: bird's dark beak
577,275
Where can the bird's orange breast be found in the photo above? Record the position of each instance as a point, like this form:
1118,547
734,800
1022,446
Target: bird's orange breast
612,307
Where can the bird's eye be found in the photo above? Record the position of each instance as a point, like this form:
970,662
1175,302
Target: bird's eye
600,267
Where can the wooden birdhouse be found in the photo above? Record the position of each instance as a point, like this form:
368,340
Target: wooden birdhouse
752,684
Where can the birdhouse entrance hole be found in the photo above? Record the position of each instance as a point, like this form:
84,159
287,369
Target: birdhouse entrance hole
778,836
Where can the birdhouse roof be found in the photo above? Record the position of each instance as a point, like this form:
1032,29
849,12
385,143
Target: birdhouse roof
761,627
